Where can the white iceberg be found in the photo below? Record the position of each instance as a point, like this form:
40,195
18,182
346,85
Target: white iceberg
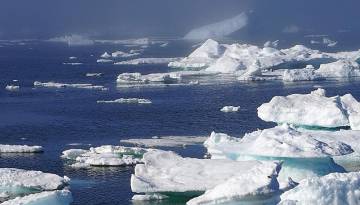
105,55
72,63
104,60
335,188
219,29
12,87
138,78
93,74
38,84
303,109
148,197
72,58
304,74
230,109
339,69
164,172
140,61
73,40
20,149
106,155
127,101
58,197
167,141
121,54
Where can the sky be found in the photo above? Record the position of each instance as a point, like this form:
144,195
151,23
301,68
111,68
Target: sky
268,19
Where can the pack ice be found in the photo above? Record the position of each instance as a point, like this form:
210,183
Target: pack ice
106,155
24,187
314,109
165,172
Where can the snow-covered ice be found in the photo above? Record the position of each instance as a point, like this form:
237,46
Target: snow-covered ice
165,171
148,197
58,197
166,141
106,155
303,109
38,84
219,29
138,78
334,188
121,54
20,149
230,109
140,61
127,101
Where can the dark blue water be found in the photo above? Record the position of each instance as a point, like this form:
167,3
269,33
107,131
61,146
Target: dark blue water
55,118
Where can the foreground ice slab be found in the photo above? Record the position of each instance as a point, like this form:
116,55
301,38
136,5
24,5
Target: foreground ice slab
165,172
218,29
140,61
20,149
106,155
127,101
58,197
335,188
314,109
168,141
38,84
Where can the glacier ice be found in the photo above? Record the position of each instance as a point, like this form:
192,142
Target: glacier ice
230,109
20,149
106,155
303,109
166,141
219,29
127,100
165,171
334,188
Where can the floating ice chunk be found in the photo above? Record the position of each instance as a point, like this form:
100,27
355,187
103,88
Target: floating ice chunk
72,63
72,58
168,172
121,54
15,181
230,109
339,69
303,109
105,55
38,84
329,42
352,107
12,87
140,61
201,57
168,141
93,74
127,101
73,40
219,29
305,74
105,155
149,197
254,183
273,44
334,188
20,149
58,197
138,78
104,60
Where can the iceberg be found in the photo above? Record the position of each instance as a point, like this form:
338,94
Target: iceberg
138,78
72,63
72,58
166,141
58,197
73,40
105,55
140,61
148,197
104,60
121,54
127,101
93,74
304,74
164,172
339,69
12,87
219,29
303,110
38,84
334,188
20,149
230,109
106,155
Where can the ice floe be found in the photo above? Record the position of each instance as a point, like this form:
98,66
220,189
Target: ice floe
72,63
20,149
148,197
166,141
164,172
127,101
38,84
121,54
106,155
218,29
303,109
138,78
230,109
58,197
334,188
104,60
105,55
93,74
140,61
12,87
